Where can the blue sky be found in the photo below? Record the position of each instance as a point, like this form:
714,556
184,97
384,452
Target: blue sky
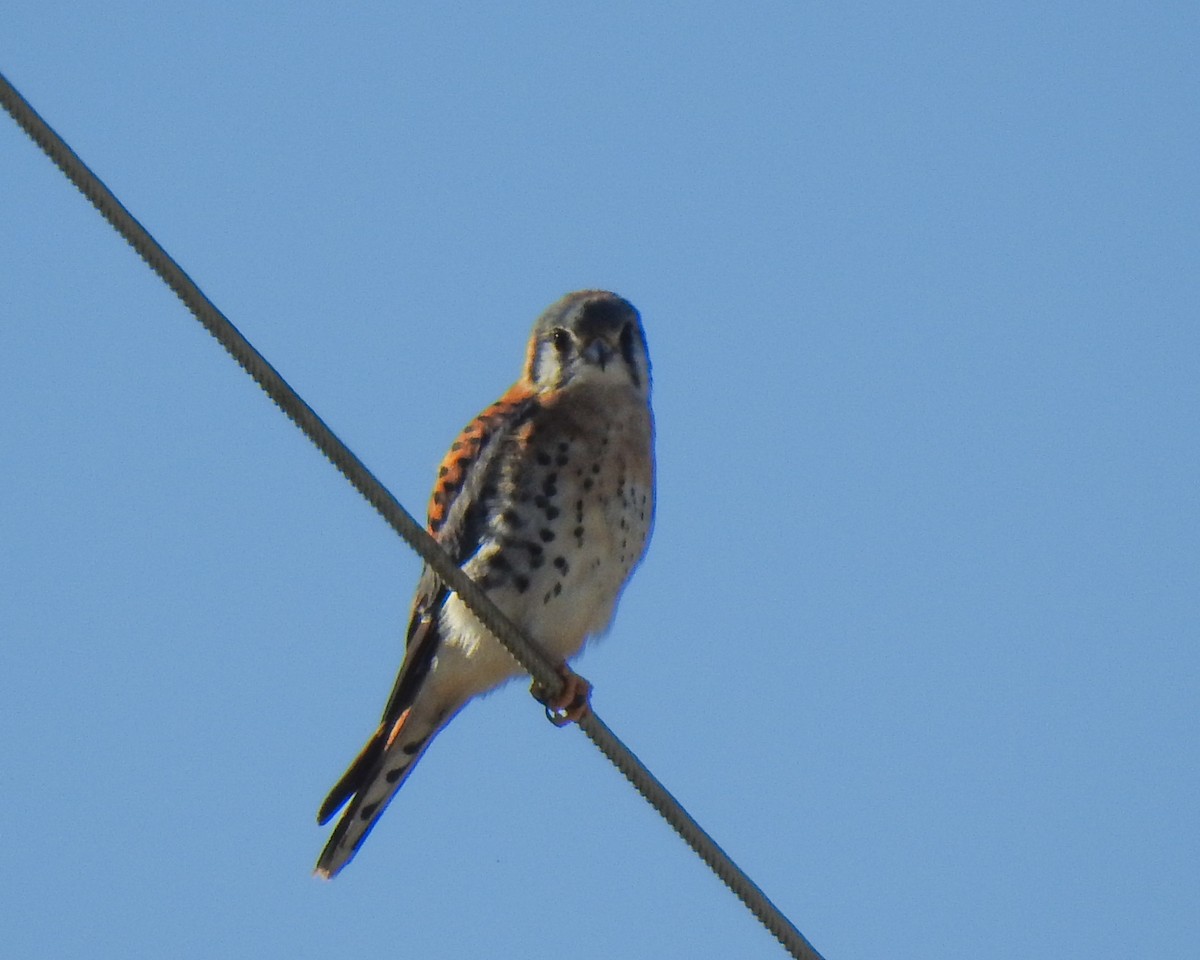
916,639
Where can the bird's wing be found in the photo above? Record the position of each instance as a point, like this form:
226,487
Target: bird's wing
458,514
458,510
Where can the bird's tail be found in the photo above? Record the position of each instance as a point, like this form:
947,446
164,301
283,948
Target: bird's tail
369,785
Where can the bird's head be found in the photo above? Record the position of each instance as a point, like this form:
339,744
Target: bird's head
591,337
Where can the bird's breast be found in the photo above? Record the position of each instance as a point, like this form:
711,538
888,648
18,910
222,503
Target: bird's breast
570,520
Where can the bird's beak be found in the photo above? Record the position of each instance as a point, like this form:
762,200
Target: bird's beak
598,352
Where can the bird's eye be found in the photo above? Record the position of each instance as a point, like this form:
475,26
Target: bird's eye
560,339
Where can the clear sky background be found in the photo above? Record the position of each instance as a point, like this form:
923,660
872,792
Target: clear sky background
917,635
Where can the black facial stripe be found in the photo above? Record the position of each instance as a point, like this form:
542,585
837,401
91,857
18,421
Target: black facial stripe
627,345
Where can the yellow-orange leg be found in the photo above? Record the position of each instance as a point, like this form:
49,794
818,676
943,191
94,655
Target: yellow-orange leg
571,703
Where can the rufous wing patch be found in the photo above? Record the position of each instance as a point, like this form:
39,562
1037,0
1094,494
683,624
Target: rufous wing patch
452,473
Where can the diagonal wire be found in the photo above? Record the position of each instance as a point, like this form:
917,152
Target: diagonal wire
523,650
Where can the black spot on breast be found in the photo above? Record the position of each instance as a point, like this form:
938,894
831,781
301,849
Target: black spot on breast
411,748
557,589
595,468
521,583
550,484
513,519
540,502
551,512
499,562
368,811
546,534
395,774
543,458
561,563
588,483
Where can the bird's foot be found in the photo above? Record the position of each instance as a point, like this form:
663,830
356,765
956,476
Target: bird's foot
571,704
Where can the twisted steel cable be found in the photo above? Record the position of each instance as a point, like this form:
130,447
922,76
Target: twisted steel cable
523,650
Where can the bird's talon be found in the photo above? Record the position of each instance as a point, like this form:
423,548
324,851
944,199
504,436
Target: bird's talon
571,704
556,717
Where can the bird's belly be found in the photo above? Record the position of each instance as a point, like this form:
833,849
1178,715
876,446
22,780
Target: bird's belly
560,548
558,610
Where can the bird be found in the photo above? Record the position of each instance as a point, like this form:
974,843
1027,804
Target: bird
546,501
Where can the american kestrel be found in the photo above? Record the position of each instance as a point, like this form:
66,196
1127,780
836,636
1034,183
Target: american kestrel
546,501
